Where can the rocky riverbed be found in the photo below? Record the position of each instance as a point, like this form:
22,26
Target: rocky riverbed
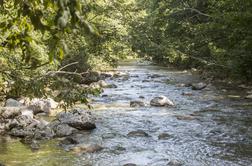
146,116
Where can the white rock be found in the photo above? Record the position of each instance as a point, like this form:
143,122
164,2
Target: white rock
27,113
161,101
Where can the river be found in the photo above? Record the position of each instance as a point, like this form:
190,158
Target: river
209,127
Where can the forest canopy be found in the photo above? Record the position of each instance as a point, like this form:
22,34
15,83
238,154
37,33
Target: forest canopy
39,38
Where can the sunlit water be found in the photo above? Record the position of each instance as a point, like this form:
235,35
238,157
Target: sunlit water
221,137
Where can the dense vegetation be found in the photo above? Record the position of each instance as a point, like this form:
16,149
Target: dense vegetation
215,35
45,45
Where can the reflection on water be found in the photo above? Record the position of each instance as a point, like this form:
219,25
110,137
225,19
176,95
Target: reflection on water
212,129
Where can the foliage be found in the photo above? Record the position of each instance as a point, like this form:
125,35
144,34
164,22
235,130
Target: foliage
211,34
40,37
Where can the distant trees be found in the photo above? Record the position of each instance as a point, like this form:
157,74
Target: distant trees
212,34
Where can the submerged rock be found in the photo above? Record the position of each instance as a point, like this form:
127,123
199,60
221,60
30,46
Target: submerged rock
86,148
129,164
34,145
137,103
138,133
164,136
199,86
185,117
63,130
161,101
187,94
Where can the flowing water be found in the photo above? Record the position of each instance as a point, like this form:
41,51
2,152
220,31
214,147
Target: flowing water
210,127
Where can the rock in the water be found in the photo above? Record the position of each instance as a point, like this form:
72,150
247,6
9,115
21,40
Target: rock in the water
129,164
175,163
248,97
104,95
90,77
185,117
137,103
34,145
187,94
10,112
112,86
161,101
121,74
103,83
79,119
141,97
106,75
74,139
138,133
63,130
164,136
12,103
155,76
199,86
91,148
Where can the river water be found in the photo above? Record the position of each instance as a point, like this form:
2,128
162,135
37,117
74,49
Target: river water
210,127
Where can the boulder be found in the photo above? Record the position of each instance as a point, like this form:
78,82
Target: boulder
43,133
23,121
89,77
161,101
63,130
27,113
39,106
18,132
13,103
77,118
10,112
199,86
104,75
137,103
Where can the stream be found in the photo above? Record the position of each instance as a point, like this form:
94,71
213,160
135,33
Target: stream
209,127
